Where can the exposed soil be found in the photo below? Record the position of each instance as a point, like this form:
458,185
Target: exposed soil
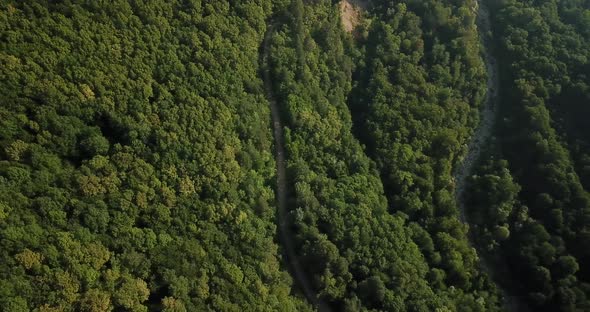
350,13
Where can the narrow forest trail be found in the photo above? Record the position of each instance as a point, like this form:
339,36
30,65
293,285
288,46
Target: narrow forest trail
488,113
285,234
476,145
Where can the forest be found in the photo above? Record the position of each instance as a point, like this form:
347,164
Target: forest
530,195
136,170
139,170
362,252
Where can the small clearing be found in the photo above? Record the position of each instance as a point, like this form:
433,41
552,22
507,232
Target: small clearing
350,13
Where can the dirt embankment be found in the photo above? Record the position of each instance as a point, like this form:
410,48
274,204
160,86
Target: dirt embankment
350,13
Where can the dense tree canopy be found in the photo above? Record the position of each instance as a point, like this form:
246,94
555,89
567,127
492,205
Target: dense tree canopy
135,161
419,86
535,204
137,169
363,252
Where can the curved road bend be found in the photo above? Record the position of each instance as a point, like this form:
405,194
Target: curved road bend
475,146
285,235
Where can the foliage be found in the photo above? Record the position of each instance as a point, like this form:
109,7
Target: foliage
362,254
420,84
539,194
135,158
137,173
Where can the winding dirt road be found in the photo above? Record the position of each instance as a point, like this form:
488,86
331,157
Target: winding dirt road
488,113
285,234
476,144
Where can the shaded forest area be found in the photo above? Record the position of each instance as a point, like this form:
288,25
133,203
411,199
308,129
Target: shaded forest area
530,196
137,169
